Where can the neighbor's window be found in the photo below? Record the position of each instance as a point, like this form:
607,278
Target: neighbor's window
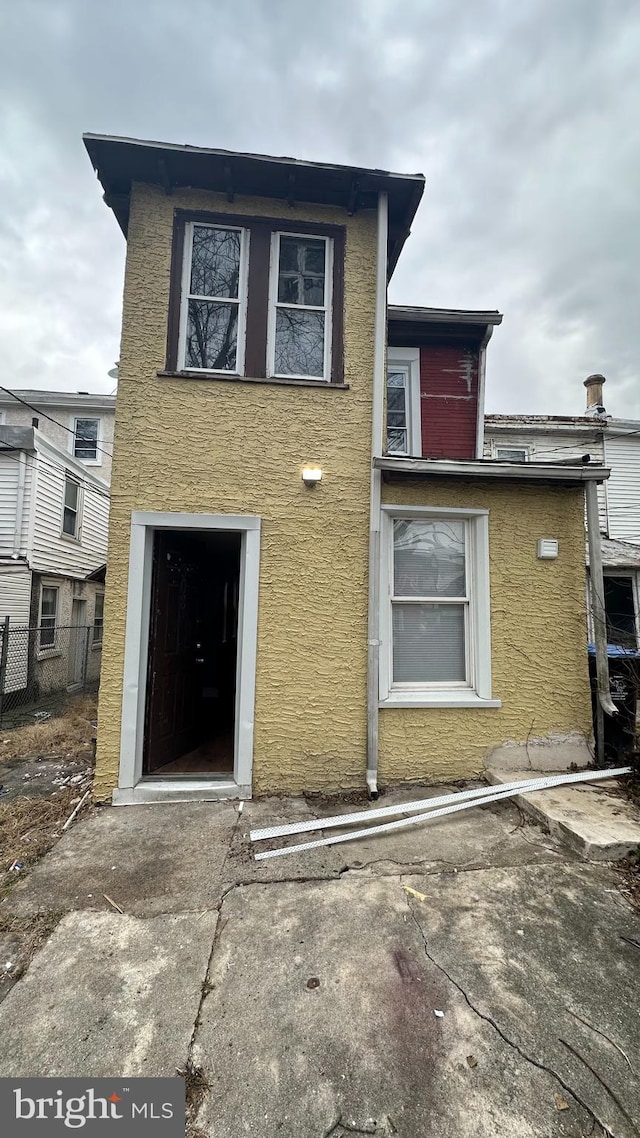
98,618
512,454
435,634
301,306
85,439
403,401
620,610
48,614
256,297
71,511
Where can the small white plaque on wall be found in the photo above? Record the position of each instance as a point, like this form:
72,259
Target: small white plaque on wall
547,548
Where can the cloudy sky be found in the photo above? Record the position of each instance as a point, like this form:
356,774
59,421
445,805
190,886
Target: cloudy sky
524,116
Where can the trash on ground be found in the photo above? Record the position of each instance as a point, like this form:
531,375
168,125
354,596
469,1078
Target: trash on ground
8,966
41,716
459,801
313,982
561,1103
113,903
16,866
472,1061
415,893
439,1014
77,809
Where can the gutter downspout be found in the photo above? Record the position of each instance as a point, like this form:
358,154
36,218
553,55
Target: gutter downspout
596,578
482,373
22,469
377,426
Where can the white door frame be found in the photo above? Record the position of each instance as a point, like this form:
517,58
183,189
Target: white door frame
132,787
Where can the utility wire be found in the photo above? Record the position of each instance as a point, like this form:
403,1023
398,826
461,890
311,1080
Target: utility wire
44,415
58,466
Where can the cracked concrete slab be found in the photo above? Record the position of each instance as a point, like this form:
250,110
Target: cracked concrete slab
322,1006
149,859
537,950
108,994
597,821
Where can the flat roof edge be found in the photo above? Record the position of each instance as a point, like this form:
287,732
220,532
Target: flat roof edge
513,471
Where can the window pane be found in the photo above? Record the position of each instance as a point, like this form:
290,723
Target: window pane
620,611
428,558
49,602
511,454
69,522
212,335
397,440
98,618
428,644
71,489
396,379
396,400
299,343
215,261
301,271
86,438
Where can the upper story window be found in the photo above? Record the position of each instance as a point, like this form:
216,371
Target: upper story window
85,439
71,508
403,401
512,454
256,297
300,307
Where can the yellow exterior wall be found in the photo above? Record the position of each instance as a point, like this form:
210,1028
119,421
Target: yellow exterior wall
222,447
538,634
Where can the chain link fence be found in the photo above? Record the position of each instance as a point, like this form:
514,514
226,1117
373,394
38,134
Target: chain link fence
41,668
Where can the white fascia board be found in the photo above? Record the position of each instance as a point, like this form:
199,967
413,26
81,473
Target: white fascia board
63,458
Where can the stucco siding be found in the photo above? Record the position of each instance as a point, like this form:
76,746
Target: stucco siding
219,447
538,634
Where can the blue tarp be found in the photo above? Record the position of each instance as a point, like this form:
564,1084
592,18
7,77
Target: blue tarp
615,651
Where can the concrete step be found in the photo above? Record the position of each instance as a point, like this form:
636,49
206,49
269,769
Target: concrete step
596,819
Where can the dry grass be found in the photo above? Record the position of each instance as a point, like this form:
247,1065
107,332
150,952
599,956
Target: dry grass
69,736
27,934
29,827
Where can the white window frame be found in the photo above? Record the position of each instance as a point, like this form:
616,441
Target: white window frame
241,300
97,461
476,691
497,447
408,358
75,536
47,649
274,304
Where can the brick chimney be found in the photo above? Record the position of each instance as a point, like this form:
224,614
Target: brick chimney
593,384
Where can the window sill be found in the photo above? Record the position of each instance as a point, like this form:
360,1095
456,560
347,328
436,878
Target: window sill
214,375
437,699
48,653
70,537
96,646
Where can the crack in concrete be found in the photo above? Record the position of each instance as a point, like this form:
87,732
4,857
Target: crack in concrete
489,1019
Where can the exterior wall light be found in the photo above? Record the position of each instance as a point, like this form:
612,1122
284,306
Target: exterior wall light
311,475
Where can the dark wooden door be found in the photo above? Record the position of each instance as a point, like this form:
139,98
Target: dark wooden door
173,678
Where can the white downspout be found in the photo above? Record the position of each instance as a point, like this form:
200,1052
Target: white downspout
22,469
377,428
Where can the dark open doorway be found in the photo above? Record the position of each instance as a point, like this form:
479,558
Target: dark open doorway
193,641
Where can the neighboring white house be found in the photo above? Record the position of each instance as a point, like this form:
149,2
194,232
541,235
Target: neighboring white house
54,512
74,421
614,442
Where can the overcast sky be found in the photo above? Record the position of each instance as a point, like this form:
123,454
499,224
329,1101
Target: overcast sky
524,116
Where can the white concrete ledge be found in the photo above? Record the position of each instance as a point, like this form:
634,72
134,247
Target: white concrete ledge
153,790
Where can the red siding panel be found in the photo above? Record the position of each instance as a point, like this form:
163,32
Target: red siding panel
449,400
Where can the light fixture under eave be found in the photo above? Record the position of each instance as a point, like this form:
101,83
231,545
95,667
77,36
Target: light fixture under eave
311,475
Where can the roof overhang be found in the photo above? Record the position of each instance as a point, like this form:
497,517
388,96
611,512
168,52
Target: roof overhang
119,162
486,470
409,326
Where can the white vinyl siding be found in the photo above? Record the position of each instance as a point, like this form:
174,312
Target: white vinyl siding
622,454
15,602
16,473
53,552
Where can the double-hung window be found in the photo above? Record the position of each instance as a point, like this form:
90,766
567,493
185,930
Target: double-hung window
512,454
98,619
214,299
85,439
300,307
71,507
435,636
403,402
48,616
256,298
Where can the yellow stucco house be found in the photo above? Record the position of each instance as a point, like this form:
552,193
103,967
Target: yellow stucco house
315,581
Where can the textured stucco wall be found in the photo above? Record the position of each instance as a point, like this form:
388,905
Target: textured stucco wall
538,634
218,447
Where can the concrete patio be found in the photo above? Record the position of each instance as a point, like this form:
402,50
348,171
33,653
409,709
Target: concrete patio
306,988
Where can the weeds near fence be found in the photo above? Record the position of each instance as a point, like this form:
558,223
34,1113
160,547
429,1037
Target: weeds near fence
69,735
